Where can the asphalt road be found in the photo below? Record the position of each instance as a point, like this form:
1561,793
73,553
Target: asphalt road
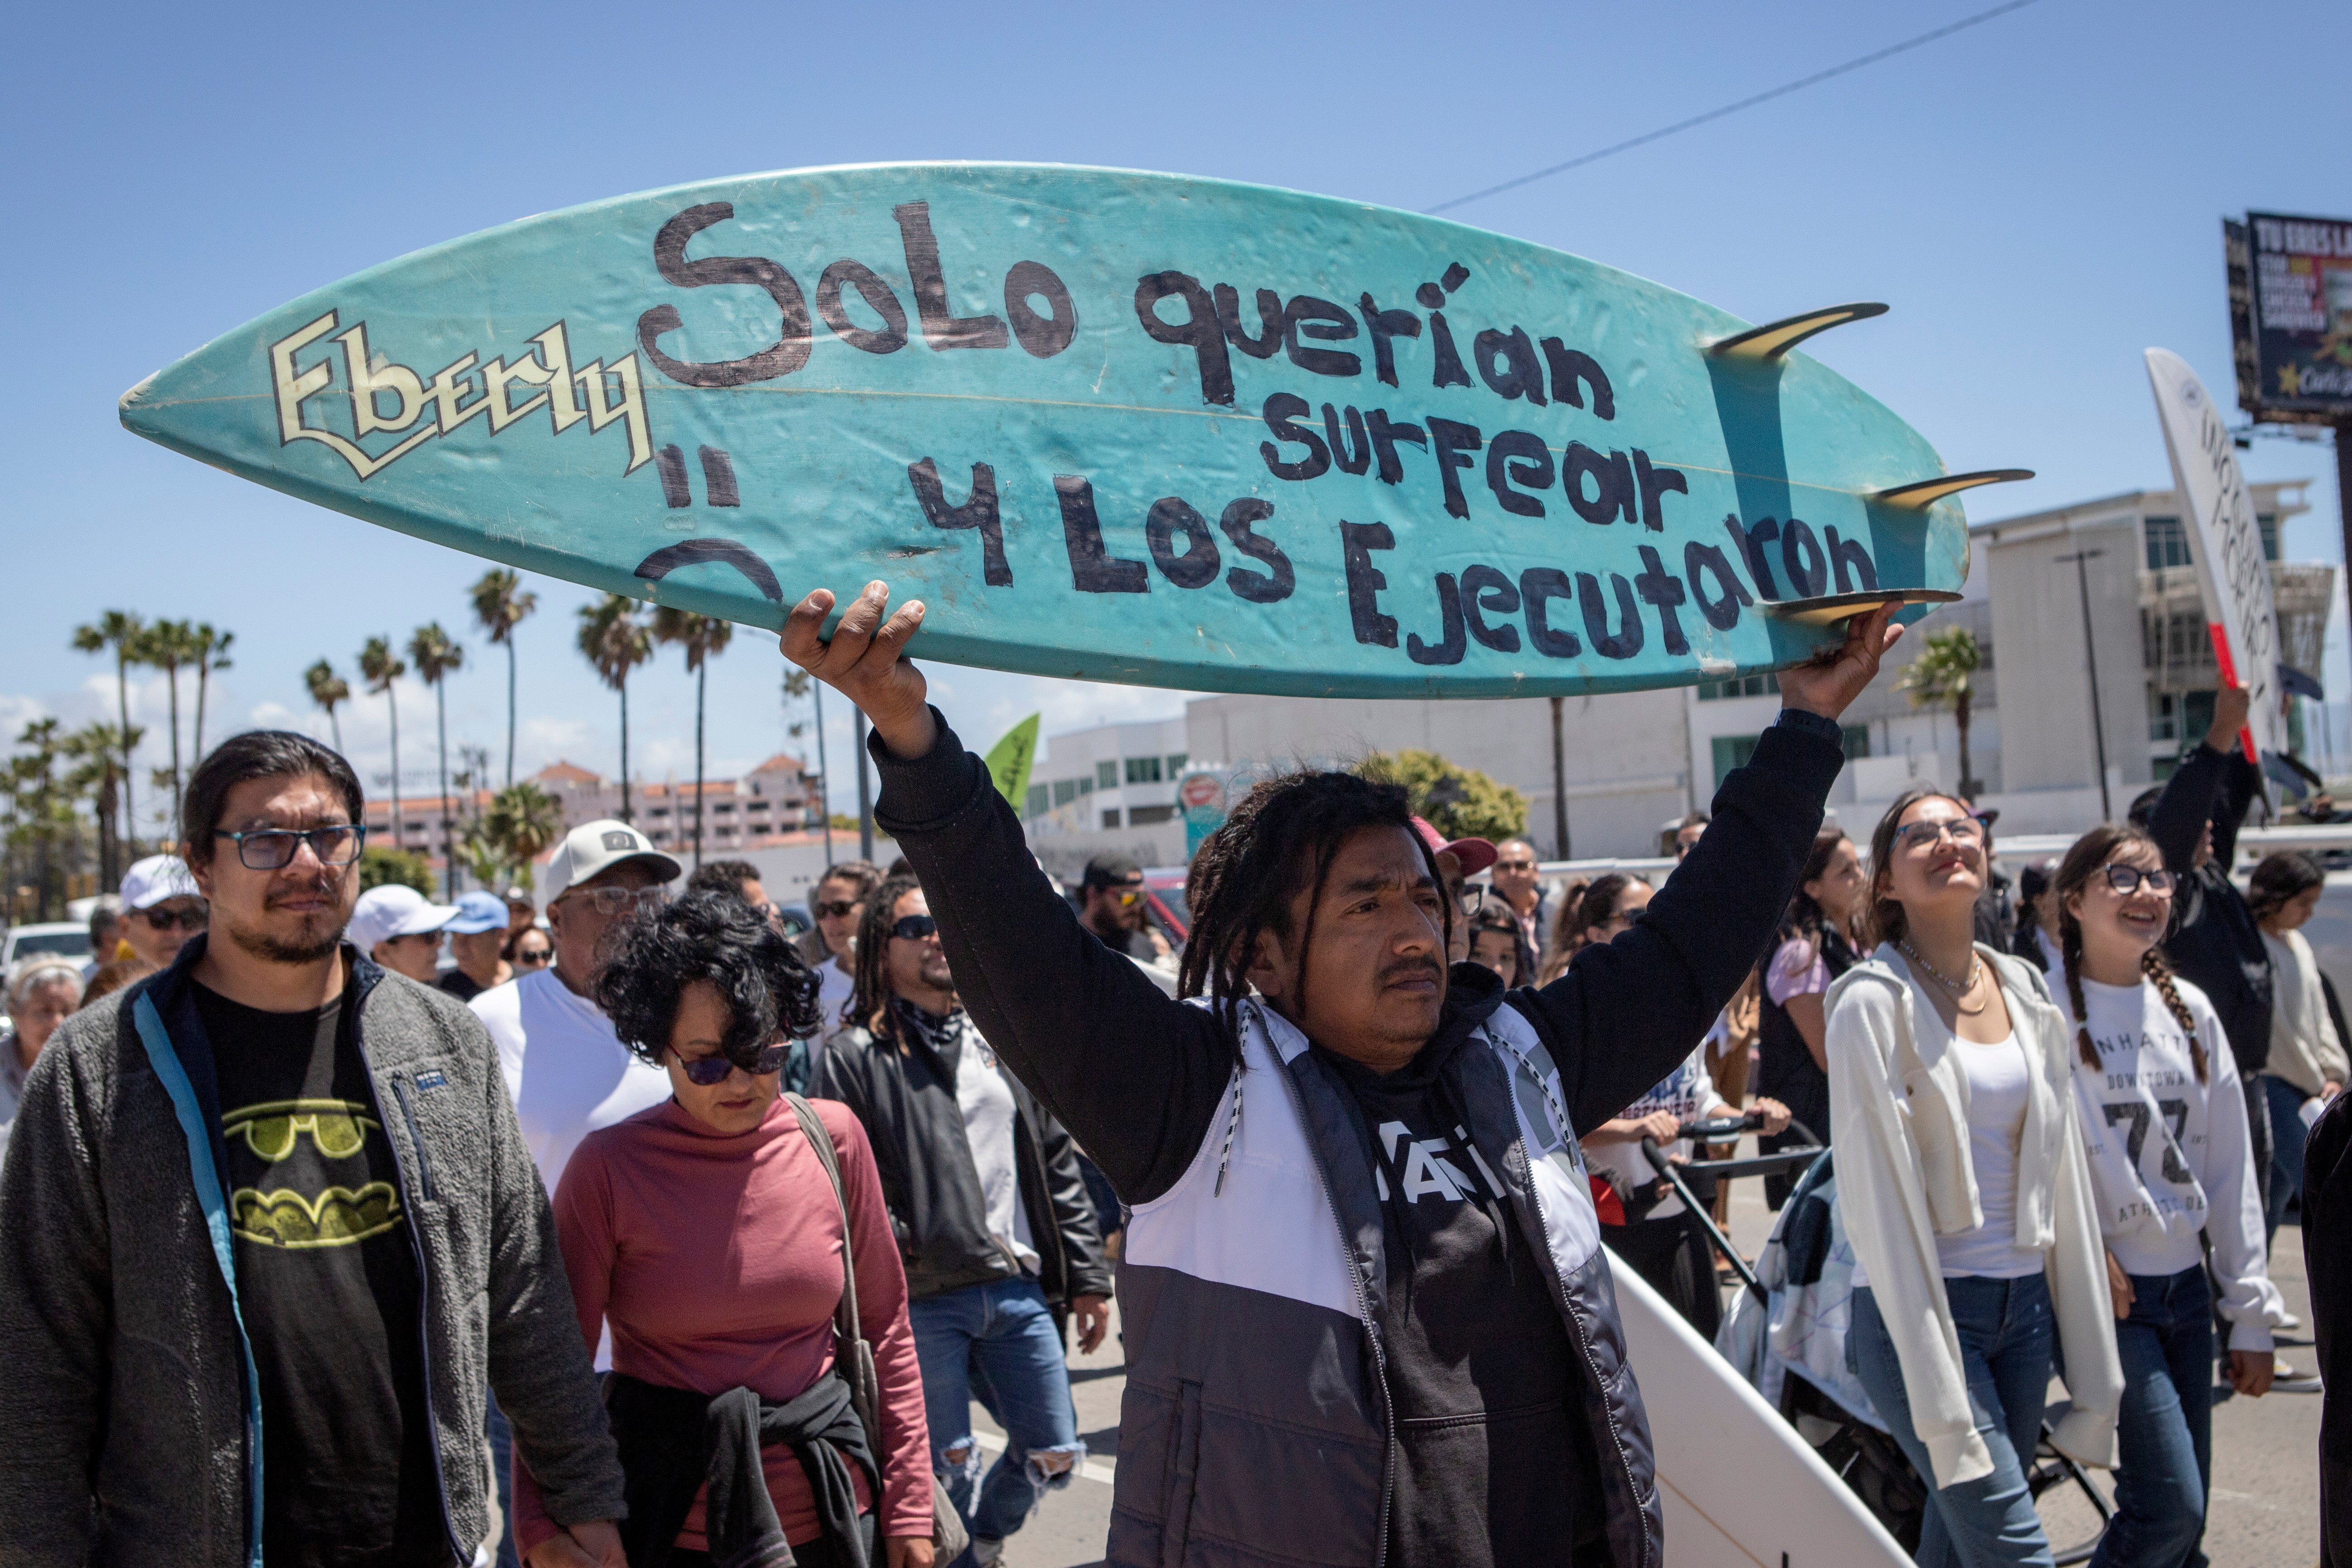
2264,1511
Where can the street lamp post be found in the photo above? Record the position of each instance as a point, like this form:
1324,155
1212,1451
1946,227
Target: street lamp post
2091,662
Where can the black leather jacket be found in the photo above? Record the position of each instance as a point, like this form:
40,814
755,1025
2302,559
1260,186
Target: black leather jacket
904,1093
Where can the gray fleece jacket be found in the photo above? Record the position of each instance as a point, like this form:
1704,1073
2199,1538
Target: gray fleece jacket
126,1433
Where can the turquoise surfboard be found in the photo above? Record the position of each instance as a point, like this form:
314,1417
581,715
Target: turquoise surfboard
1119,426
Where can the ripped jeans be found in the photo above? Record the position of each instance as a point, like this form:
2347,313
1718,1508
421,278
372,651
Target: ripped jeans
999,1340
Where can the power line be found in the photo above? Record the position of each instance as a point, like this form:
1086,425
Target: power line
1729,109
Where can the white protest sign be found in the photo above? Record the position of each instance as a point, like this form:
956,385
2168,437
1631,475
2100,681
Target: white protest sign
2225,543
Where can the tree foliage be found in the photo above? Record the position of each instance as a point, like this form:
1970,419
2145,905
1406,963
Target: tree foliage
380,865
1459,802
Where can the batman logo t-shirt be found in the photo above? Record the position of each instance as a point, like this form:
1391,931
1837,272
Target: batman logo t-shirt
326,1278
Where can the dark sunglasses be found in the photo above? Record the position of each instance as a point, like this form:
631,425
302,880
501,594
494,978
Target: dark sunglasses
914,927
273,849
837,909
711,1071
2129,879
195,918
532,957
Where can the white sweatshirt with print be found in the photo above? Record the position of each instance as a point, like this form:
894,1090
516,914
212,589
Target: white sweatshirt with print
2171,1157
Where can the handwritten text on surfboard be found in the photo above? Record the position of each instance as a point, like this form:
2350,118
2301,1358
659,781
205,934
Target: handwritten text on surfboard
1524,476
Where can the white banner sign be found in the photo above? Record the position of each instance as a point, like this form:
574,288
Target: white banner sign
2225,542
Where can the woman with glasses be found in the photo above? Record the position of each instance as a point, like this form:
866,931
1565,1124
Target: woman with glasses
1817,946
705,1233
1966,1195
2164,1120
533,948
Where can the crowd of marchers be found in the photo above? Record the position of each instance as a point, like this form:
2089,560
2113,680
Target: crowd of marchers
644,1232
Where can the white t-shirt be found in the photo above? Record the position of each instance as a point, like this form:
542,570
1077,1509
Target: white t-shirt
2000,1084
2147,1124
987,1107
1685,1093
567,1070
833,986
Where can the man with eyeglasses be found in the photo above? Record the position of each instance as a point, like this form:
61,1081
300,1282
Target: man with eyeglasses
1110,904
1524,894
998,1234
268,1233
400,929
160,909
1457,861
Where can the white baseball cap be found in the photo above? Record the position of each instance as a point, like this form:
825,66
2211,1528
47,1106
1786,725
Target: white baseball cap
394,909
593,847
158,877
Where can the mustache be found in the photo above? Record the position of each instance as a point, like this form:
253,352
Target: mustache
1407,967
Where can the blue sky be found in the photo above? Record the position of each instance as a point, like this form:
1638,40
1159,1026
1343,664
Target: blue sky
2038,198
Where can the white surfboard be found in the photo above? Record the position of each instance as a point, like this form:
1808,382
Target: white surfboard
1741,1488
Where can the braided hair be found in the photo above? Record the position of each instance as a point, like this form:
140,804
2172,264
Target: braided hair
2089,855
869,980
1277,842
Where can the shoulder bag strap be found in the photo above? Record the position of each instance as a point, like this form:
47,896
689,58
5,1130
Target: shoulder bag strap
852,1353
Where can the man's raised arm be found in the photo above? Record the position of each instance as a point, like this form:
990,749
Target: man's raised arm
1135,1076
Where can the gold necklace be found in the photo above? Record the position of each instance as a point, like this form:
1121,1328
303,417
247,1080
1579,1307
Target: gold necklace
1955,988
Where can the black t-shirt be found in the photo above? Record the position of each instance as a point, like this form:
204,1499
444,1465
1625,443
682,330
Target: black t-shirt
1495,1456
326,1278
461,985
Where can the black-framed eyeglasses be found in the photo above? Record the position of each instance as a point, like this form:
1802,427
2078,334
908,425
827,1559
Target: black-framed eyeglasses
1471,896
2130,879
914,927
273,849
188,917
1514,865
710,1070
610,901
836,909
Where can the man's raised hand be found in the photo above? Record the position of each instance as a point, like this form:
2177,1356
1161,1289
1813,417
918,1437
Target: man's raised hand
865,661
1833,677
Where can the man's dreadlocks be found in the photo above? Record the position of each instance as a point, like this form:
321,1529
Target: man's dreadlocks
870,995
1279,841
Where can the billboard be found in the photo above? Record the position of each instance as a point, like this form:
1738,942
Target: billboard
2290,316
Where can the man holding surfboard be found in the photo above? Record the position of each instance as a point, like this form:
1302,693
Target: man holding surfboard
1366,1314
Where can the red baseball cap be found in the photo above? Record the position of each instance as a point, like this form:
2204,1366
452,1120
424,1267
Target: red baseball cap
1474,855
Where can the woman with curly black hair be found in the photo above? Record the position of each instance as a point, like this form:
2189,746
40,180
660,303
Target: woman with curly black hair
705,1234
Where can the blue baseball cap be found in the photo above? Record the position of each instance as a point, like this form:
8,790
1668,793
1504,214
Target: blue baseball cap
477,913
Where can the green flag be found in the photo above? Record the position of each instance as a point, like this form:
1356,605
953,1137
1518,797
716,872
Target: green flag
1009,759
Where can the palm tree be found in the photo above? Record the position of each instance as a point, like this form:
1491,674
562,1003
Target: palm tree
380,667
1559,783
210,649
168,645
1944,675
118,630
522,821
499,605
327,689
702,637
615,642
435,656
97,749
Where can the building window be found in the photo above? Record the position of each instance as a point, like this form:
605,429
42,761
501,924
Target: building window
1176,760
1745,687
1111,818
2163,715
1040,801
2268,523
1734,750
1107,775
1142,769
1144,816
1064,791
1086,784
2168,542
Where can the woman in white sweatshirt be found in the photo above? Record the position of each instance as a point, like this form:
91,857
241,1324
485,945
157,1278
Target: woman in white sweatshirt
2306,1061
1964,1189
2165,1125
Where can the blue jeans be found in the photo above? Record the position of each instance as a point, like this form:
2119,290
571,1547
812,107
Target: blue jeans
2288,1135
1005,1335
2165,1429
2006,1334
501,1438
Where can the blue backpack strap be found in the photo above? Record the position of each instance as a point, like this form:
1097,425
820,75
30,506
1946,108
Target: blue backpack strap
174,1079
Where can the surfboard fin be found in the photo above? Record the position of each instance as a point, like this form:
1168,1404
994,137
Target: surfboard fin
1925,493
1774,339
